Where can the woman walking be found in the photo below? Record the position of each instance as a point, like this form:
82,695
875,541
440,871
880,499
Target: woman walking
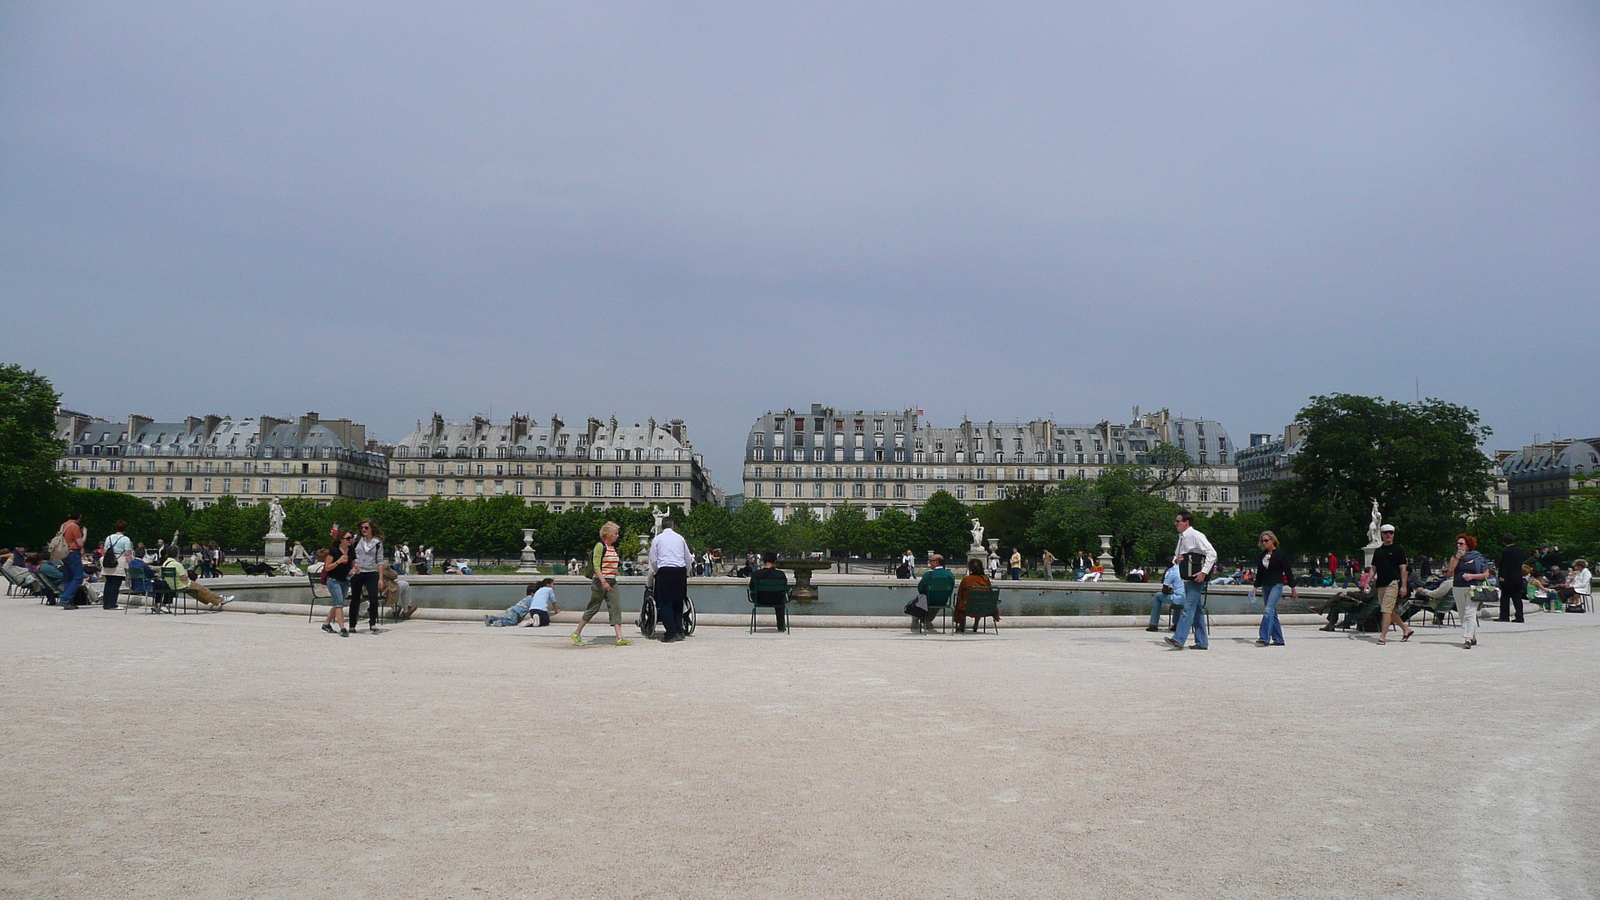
603,589
368,553
336,565
1466,568
1270,579
114,565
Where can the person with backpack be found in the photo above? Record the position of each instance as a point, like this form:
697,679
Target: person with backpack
67,547
114,564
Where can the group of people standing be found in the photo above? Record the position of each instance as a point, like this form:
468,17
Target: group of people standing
355,571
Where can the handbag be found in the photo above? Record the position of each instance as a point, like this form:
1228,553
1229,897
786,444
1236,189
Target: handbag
1190,565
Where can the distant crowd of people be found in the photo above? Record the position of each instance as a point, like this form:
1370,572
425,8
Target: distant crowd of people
358,572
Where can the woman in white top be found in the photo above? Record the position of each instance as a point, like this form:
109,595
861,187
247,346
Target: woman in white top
114,565
368,553
1576,593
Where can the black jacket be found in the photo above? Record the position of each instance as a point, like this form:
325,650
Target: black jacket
1276,571
1510,566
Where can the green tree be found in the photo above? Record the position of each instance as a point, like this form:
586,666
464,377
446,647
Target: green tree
1420,461
892,533
1068,519
709,525
755,528
1235,537
32,493
845,533
1120,503
945,526
1011,519
801,532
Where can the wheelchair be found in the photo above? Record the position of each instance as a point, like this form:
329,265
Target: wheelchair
648,618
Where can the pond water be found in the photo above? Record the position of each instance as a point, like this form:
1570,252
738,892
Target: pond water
880,598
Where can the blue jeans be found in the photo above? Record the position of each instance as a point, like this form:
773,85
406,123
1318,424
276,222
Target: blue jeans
516,614
1271,628
1194,614
73,565
1155,606
339,589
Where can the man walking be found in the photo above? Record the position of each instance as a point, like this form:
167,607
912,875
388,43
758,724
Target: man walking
1512,587
670,560
1194,557
1389,581
72,534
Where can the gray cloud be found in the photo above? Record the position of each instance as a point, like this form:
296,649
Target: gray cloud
712,210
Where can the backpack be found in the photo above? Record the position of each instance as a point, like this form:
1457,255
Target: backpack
58,546
111,559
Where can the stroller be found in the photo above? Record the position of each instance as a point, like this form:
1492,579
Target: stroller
648,618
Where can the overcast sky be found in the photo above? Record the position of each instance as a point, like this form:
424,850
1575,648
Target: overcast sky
709,211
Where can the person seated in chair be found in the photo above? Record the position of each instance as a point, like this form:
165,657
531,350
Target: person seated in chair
1359,608
45,577
174,574
1171,592
1578,592
975,580
771,587
938,582
537,606
396,592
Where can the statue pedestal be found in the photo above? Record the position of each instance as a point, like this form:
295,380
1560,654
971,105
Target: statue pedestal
1368,550
530,557
978,553
277,546
1106,563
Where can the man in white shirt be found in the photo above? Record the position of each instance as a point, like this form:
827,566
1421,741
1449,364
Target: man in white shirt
1194,556
670,560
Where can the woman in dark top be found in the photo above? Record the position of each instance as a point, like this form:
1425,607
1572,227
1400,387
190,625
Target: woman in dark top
1271,578
336,569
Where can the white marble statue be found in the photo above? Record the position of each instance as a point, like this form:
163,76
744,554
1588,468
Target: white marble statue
658,514
274,516
977,533
1374,529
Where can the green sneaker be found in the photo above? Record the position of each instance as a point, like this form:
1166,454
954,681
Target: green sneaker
623,642
577,640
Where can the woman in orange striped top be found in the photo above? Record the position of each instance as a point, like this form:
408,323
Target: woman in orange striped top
603,589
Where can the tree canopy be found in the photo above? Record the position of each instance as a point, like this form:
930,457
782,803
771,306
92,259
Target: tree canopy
31,491
1420,461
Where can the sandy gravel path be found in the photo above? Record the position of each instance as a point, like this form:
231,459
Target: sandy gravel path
237,755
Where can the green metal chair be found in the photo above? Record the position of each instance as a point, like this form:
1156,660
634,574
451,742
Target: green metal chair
939,605
776,601
983,605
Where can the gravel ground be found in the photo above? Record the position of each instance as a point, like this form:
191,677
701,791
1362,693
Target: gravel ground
236,755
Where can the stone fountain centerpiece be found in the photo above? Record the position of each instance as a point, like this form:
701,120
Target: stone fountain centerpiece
530,557
1374,533
802,568
976,551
